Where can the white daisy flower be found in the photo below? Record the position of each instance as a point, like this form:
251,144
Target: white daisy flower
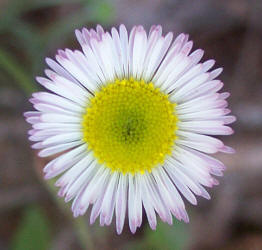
132,117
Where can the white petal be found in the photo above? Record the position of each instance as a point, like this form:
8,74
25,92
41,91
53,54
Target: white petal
121,202
58,148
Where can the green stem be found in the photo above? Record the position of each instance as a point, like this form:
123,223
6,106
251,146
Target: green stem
83,233
79,223
8,63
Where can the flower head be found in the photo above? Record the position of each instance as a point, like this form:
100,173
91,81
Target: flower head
132,117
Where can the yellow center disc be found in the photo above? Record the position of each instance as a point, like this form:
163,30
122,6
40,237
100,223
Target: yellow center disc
130,126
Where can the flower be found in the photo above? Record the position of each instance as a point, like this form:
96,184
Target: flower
132,117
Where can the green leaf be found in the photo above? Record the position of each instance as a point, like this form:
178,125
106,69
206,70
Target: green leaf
103,12
33,232
165,237
168,237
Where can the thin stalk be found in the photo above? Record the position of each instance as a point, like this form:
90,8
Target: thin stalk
79,223
8,63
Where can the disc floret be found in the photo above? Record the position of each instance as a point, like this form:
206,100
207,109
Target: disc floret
130,126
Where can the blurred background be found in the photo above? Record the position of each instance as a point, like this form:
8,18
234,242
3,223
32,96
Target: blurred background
31,215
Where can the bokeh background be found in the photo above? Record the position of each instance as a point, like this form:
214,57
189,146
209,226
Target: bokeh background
230,31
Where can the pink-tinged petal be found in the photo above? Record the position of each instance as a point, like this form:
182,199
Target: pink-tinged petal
227,149
175,69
